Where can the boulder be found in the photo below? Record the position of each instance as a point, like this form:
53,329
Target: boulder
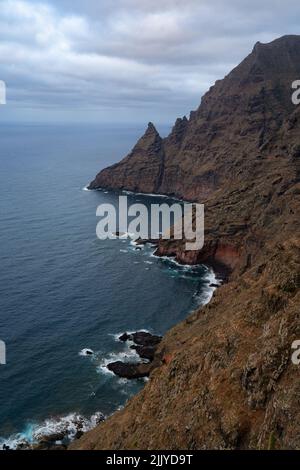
145,352
145,345
59,436
125,337
130,370
143,338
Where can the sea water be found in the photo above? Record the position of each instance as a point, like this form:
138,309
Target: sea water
62,290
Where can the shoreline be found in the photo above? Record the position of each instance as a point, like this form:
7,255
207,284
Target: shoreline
73,422
221,269
217,280
133,193
219,272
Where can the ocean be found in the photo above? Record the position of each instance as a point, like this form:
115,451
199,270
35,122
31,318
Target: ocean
63,290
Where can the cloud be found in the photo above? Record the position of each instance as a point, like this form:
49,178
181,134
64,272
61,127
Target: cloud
132,55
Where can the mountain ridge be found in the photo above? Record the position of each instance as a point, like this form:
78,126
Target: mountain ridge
225,378
197,140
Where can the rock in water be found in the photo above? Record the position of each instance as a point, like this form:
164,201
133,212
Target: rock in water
125,337
145,352
143,338
86,352
130,371
145,346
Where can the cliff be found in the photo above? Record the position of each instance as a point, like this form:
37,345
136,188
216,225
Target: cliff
236,119
226,379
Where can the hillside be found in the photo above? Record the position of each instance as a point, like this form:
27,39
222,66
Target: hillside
226,379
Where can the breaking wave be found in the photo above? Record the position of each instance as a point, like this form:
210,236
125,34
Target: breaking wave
66,428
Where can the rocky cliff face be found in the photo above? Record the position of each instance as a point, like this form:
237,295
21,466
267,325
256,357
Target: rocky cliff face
141,170
226,379
236,119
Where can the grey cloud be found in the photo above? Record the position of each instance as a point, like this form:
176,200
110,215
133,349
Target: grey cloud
132,55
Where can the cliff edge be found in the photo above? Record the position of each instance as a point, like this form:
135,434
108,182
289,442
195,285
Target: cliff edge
226,379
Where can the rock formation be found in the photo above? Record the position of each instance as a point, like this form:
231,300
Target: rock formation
226,379
145,344
146,161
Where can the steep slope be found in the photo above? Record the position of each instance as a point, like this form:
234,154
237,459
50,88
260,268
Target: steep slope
236,118
145,163
226,378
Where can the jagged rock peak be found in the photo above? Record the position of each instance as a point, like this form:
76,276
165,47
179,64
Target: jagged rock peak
240,113
151,129
178,131
240,156
180,122
149,138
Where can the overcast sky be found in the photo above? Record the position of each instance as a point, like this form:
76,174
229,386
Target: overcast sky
113,61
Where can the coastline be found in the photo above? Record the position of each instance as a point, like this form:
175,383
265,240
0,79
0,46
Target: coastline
52,433
215,282
133,193
224,375
48,434
220,268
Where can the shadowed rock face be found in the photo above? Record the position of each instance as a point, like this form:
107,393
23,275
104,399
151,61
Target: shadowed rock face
236,118
226,379
145,162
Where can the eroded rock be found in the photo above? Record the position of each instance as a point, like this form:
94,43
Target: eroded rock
145,346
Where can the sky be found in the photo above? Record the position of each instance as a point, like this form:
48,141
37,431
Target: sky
126,61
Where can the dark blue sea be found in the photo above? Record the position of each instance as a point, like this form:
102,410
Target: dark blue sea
62,289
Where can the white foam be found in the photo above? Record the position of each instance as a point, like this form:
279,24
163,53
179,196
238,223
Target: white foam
69,425
123,236
123,381
208,292
128,355
86,352
117,336
163,196
128,235
210,278
132,193
172,259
